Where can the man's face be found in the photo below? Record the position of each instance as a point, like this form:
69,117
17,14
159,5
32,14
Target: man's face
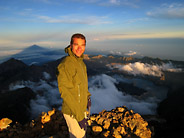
78,46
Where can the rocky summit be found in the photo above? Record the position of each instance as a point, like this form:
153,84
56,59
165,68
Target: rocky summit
117,123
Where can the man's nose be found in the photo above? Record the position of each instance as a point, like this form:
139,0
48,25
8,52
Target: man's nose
79,48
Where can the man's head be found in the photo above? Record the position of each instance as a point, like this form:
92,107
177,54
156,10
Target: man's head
78,44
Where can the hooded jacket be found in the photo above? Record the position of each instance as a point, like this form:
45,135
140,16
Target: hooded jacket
73,85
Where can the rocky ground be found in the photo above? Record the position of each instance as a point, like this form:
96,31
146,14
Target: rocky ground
117,123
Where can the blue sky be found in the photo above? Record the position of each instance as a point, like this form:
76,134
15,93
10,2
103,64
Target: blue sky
145,26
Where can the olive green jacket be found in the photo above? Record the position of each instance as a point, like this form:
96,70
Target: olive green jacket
73,85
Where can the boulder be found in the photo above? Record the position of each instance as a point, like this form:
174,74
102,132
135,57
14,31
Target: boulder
16,104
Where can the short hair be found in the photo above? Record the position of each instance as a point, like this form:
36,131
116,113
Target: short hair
77,35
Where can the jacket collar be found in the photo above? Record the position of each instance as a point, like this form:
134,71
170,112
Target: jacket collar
70,53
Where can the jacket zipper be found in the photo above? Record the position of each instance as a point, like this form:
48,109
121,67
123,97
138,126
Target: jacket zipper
78,84
82,70
78,93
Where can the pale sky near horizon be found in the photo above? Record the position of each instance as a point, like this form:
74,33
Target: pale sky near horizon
144,26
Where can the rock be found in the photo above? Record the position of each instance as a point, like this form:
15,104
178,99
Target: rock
100,120
16,104
116,133
46,117
86,57
106,123
120,109
4,123
97,57
119,122
3,135
106,133
97,129
127,58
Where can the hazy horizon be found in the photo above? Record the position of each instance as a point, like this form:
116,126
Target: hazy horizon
158,48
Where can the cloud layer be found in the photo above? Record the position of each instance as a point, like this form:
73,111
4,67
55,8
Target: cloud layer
105,95
138,68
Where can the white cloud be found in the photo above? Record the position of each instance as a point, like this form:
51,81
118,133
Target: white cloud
50,2
106,96
138,68
166,11
131,53
116,2
46,75
129,3
75,19
47,95
116,52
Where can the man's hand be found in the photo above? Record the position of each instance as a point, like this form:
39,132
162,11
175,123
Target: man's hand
83,124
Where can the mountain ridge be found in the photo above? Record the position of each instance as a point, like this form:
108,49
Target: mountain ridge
18,71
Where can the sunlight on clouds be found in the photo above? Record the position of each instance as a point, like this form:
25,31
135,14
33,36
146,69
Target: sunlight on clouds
131,53
7,42
104,37
138,68
24,40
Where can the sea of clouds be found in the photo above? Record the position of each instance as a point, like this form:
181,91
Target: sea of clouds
138,68
105,95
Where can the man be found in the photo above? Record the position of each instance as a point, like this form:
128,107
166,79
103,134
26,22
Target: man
73,86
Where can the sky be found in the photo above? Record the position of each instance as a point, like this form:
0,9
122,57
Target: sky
146,27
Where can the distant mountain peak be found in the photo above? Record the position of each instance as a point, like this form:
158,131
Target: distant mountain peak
34,48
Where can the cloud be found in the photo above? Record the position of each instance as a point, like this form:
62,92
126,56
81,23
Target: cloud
26,12
129,3
47,95
106,96
116,2
8,52
137,20
131,53
50,2
130,35
168,11
114,52
46,75
76,19
138,68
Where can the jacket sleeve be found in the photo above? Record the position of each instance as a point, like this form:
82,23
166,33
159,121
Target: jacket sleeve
88,93
66,85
